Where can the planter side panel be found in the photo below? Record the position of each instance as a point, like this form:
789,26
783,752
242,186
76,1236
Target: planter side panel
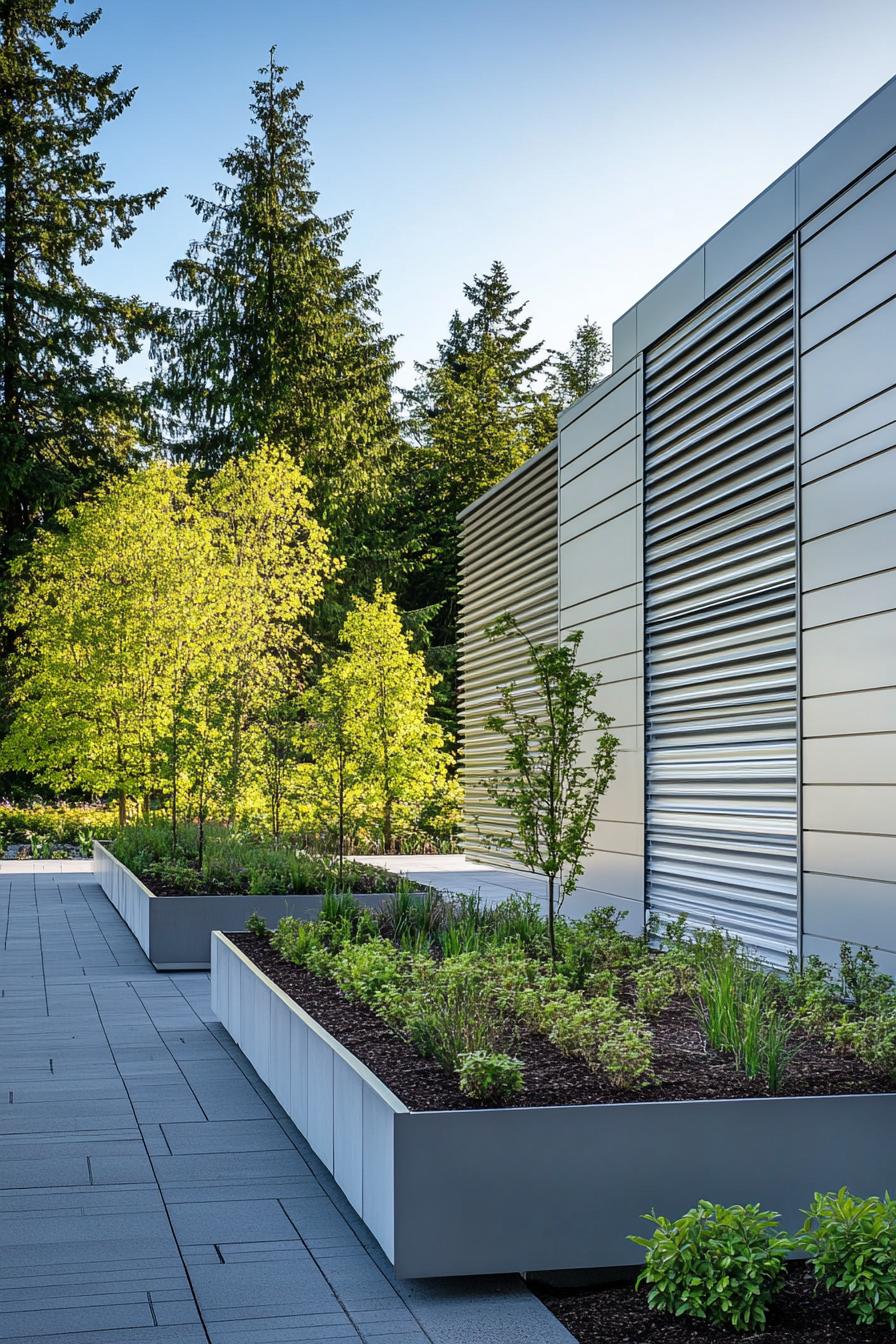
487,1192
126,893
347,1123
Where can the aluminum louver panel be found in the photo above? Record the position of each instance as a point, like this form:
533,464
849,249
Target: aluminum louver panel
720,614
508,563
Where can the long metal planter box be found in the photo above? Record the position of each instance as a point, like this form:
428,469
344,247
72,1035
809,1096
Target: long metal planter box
536,1188
175,931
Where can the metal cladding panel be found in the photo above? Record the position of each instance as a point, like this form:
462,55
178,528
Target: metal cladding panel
720,614
508,563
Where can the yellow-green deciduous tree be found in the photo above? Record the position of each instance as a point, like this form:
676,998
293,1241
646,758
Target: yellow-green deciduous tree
371,731
94,609
272,562
156,628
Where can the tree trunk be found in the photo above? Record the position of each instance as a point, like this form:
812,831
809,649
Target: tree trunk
387,827
341,827
122,807
552,936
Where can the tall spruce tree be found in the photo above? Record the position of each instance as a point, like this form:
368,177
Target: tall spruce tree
66,417
575,370
278,340
475,413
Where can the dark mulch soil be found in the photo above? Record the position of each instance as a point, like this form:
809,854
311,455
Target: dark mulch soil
619,1315
686,1069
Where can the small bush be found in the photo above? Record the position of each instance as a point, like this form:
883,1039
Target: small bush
412,918
720,1265
655,986
451,1009
296,940
257,924
596,1029
868,988
852,1245
811,994
872,1039
488,1076
369,972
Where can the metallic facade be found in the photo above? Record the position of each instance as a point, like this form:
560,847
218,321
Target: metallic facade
508,563
720,613
725,503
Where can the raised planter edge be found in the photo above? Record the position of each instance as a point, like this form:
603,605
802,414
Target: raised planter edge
175,931
538,1188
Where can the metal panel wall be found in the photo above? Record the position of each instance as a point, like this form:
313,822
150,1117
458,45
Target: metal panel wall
848,567
508,563
600,592
720,614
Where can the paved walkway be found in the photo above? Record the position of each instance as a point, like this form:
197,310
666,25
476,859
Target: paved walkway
457,874
152,1191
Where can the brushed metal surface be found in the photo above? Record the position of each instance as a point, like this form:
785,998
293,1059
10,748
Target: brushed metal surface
720,614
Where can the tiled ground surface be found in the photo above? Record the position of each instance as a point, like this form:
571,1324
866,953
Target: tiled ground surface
152,1191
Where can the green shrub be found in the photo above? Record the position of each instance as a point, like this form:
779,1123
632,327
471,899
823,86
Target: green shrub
852,1246
594,944
488,1076
257,924
868,988
297,940
720,1265
872,1038
594,1028
655,986
46,826
451,1009
369,972
811,994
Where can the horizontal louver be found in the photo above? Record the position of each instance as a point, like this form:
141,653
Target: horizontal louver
508,563
720,615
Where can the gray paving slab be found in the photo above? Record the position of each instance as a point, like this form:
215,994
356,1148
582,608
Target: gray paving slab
152,1191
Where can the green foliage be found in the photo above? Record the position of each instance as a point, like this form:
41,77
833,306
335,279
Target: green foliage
409,913
154,625
474,414
370,972
811,994
379,759
740,1009
59,824
720,1265
852,1246
871,1038
491,1077
277,338
257,924
868,989
233,863
551,795
572,373
297,940
655,986
595,1028
67,419
450,1010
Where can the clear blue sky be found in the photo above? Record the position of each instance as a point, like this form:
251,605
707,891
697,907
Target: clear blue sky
589,145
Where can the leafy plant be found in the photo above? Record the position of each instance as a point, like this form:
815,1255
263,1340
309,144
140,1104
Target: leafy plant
872,1038
296,940
655,986
451,1010
719,1264
552,796
852,1246
595,1028
369,972
489,1076
867,987
257,924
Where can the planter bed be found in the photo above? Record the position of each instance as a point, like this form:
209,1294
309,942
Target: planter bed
558,1181
175,930
801,1314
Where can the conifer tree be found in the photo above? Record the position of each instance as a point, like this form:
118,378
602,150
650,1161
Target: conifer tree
574,371
475,414
66,418
278,339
